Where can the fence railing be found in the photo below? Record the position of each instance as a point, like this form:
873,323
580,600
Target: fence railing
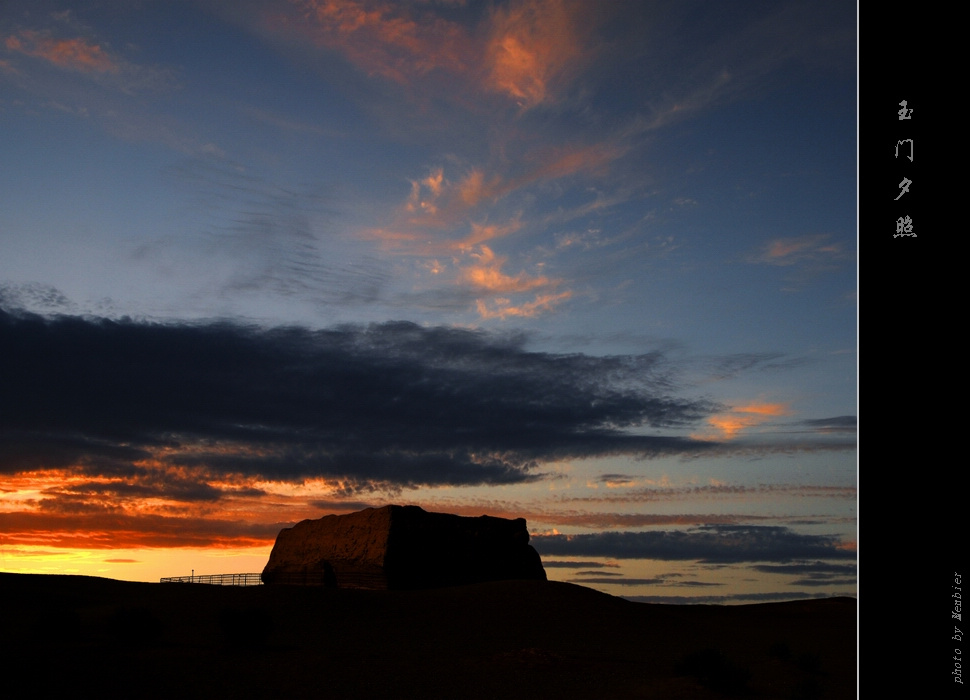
218,579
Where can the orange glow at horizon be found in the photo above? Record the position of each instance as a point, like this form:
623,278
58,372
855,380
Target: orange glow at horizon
161,506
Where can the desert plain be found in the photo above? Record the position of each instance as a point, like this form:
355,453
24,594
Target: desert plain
95,637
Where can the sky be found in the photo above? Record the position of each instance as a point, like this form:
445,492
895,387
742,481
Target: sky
591,264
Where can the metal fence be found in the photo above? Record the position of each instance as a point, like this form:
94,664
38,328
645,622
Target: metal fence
218,579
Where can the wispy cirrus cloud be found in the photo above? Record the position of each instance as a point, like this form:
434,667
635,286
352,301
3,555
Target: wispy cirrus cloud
76,53
524,51
59,64
802,258
800,250
385,39
533,45
504,62
268,243
441,217
486,274
444,207
503,307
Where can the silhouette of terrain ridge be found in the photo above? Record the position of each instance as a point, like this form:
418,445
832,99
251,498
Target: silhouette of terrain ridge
503,639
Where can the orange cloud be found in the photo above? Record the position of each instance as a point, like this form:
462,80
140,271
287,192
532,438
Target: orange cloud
120,531
413,237
425,193
503,308
436,201
523,51
540,165
74,54
482,232
799,249
473,189
434,206
487,274
569,161
379,38
158,505
764,409
477,266
530,46
739,418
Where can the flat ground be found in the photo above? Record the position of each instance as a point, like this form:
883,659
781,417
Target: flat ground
513,639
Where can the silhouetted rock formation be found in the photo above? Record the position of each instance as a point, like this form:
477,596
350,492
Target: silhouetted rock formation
402,547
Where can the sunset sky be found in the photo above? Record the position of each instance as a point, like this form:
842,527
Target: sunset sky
588,263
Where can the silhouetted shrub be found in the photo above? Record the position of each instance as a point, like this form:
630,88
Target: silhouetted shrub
715,671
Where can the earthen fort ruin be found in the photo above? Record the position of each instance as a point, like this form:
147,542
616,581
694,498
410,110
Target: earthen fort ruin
402,547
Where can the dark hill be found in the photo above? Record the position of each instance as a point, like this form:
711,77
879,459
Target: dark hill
510,639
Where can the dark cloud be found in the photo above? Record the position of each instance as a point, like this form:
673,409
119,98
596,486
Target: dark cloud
392,404
335,506
605,579
723,599
712,544
617,581
42,298
729,366
604,521
148,484
823,580
815,573
617,479
812,568
672,493
838,424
